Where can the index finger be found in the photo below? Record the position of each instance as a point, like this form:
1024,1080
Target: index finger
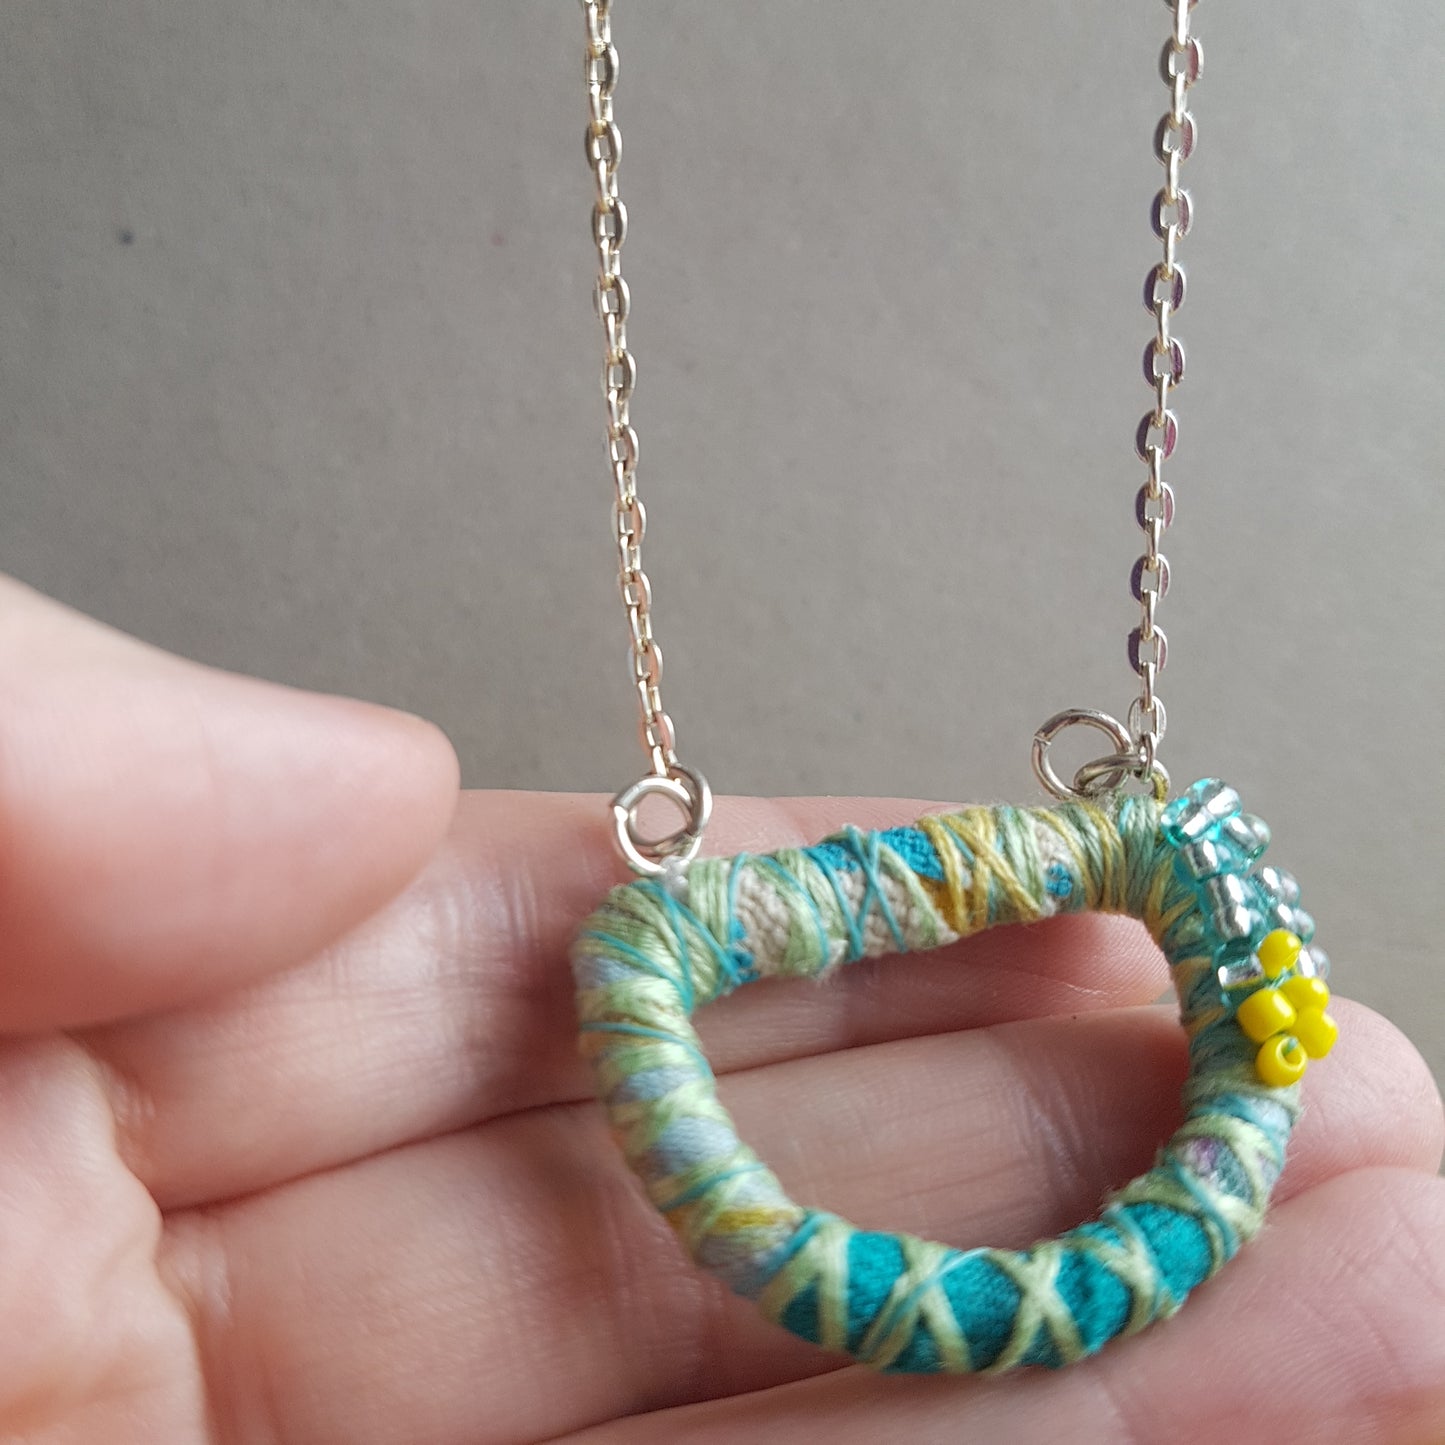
455,1005
168,830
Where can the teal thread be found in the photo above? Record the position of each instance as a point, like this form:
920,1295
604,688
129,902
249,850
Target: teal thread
637,1031
861,854
647,959
659,895
793,888
739,967
640,960
702,1186
868,849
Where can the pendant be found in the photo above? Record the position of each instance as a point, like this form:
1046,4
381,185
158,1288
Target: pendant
1253,1003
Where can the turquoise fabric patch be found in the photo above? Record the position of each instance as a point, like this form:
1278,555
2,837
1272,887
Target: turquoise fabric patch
912,845
985,1302
1058,882
801,1315
1179,1244
874,1263
1095,1295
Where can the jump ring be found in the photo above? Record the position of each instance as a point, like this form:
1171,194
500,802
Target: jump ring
652,857
1103,775
1112,728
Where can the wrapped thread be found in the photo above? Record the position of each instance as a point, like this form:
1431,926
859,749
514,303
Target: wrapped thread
647,959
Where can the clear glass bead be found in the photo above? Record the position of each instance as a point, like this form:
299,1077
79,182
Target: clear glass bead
1204,859
1228,903
1197,813
1283,885
1301,923
1247,833
1241,973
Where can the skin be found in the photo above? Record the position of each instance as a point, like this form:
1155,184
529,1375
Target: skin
297,1149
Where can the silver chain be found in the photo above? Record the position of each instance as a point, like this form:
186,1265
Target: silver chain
682,786
1172,215
1181,62
1135,744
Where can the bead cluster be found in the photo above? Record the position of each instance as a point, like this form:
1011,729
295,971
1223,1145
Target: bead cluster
1271,976
1287,1018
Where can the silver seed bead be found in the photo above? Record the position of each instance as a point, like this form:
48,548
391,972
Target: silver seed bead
1243,973
1229,908
1248,833
1203,859
1283,885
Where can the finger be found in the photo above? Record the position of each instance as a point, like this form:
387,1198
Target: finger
456,1004
523,1253
1331,1326
88,1333
167,830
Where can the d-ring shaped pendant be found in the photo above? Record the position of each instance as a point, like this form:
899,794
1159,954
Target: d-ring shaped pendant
1251,993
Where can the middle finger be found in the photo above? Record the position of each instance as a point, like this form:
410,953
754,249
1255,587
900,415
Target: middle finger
510,1282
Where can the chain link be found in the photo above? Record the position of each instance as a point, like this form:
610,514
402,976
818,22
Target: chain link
613,303
1172,215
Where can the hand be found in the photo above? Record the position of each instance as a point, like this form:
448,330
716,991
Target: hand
296,1146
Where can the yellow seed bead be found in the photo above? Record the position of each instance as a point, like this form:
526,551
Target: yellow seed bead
1265,1013
1306,993
1279,951
1281,1062
1317,1031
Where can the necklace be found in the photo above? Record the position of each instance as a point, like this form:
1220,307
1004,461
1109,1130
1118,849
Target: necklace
1250,982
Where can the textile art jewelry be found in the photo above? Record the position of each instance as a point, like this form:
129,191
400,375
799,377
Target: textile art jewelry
1251,984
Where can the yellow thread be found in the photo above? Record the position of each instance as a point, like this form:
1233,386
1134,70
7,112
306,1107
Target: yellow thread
1114,870
830,1254
957,885
978,829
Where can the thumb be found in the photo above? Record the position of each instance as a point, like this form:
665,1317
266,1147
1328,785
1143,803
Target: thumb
168,830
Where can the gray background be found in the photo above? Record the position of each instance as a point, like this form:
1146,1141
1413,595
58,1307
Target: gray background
299,377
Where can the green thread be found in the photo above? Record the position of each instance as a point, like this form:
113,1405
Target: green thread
647,959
